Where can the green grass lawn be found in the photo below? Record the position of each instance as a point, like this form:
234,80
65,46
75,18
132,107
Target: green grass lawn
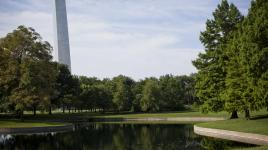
173,114
188,113
161,115
26,124
60,115
73,116
259,126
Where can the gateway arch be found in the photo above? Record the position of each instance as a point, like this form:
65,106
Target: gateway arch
61,43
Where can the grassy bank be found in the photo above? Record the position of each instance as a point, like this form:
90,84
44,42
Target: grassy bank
162,115
189,113
258,126
122,115
69,117
26,124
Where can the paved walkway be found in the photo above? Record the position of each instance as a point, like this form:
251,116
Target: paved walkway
250,138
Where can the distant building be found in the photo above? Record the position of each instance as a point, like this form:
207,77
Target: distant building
62,48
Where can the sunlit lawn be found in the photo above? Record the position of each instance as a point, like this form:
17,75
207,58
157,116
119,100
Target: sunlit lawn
84,114
164,115
26,124
257,124
174,114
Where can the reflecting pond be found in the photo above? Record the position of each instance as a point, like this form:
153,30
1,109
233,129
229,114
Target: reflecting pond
98,136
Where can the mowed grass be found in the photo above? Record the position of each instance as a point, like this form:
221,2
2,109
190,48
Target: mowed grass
188,113
26,124
86,115
162,115
60,115
174,114
258,126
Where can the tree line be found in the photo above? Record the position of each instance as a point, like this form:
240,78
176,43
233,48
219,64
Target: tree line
30,80
233,69
121,93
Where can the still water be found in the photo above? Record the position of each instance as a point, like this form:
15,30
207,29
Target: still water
96,136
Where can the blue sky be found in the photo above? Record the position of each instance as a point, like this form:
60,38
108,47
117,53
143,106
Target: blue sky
137,38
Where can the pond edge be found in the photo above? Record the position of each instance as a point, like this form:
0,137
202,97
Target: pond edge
244,137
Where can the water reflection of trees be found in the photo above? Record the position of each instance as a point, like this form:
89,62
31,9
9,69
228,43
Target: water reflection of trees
114,137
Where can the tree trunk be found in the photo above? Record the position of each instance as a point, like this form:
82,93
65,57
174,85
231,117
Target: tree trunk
63,109
34,110
234,115
50,110
21,115
247,114
188,97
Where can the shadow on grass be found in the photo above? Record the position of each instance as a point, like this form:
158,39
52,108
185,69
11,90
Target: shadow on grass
259,117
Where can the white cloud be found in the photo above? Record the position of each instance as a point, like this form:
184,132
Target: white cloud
40,21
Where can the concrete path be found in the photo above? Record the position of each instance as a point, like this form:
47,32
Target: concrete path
250,138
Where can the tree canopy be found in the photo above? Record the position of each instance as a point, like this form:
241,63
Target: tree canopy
26,74
232,73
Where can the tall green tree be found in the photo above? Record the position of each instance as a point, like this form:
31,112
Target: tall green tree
210,79
172,94
256,32
188,83
123,96
235,77
248,66
137,91
150,100
37,83
24,48
5,79
68,88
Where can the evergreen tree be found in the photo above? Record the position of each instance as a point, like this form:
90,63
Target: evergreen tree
235,77
210,79
256,31
248,67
